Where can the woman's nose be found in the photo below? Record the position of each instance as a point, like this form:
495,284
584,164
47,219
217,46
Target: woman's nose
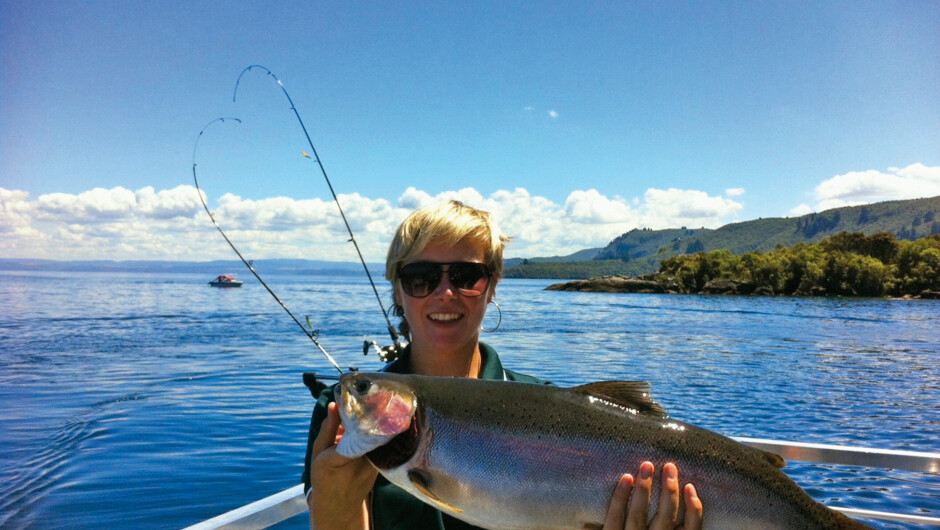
445,286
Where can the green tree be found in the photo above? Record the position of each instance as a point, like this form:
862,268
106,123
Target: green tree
844,264
882,246
918,265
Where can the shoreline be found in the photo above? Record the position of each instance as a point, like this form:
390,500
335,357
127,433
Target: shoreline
652,284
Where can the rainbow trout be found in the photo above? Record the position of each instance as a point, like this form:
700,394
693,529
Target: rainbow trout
504,455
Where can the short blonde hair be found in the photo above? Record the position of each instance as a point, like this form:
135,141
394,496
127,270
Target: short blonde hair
449,222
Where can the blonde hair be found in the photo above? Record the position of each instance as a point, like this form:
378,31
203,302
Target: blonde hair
449,222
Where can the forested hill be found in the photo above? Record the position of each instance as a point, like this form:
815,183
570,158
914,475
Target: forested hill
640,251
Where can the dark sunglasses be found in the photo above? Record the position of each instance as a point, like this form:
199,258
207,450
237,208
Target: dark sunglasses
421,278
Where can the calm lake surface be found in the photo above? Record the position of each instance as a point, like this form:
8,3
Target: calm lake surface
155,401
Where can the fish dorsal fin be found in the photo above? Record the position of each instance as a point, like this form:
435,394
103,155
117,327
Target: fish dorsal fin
633,395
774,459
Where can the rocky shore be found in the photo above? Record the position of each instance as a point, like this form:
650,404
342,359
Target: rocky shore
610,284
652,284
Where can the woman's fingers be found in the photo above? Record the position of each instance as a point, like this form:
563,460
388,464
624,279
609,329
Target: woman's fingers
630,502
694,513
668,509
639,506
329,434
617,509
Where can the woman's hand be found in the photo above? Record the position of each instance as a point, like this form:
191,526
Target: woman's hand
339,485
630,503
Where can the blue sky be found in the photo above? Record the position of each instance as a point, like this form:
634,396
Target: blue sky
572,121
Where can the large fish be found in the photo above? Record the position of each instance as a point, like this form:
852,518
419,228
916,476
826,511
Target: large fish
507,455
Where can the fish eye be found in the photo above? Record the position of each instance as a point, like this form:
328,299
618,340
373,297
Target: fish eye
363,386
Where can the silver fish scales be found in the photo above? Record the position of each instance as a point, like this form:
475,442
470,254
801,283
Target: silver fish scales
506,455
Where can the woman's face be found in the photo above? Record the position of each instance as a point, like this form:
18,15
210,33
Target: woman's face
446,320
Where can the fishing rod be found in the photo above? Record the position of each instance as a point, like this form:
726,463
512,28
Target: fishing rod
387,353
312,335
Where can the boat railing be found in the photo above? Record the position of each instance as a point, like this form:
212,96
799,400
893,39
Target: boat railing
291,502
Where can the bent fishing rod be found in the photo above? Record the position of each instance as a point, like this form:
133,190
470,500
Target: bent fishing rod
389,352
313,335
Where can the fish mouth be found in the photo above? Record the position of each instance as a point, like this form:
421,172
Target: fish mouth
375,407
349,399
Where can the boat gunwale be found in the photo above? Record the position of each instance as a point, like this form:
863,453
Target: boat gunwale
283,505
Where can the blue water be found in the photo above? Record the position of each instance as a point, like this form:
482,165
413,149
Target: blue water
153,400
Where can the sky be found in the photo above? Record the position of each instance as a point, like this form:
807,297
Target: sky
572,122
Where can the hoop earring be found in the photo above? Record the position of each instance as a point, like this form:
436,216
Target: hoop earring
484,330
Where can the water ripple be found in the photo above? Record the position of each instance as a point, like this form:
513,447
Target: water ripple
159,402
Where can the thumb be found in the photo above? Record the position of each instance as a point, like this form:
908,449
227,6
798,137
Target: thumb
326,438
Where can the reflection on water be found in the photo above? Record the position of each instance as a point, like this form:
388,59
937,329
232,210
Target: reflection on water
154,400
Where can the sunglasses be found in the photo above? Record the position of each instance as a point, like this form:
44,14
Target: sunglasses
421,278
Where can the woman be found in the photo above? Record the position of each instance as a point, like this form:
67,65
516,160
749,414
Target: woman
444,264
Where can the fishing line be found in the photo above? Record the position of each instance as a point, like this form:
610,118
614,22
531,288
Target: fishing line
312,335
389,352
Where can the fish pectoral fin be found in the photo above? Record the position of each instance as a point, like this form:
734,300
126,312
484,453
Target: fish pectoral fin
630,394
421,482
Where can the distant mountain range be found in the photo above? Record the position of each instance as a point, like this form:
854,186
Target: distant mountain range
640,251
263,266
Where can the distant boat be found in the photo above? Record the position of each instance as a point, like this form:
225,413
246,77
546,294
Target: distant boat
225,280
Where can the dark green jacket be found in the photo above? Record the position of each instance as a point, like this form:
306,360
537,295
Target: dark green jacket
392,507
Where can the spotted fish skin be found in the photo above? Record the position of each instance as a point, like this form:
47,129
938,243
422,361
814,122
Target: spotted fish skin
505,455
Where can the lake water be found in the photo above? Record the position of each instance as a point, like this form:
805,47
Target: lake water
155,401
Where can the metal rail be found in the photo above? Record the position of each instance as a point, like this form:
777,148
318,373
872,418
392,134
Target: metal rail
288,503
260,514
848,456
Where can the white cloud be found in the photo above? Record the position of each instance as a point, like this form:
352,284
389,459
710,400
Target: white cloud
172,225
412,199
863,187
93,205
671,208
166,204
14,212
119,223
802,209
919,172
552,114
593,208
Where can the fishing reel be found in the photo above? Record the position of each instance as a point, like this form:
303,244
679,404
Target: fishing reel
387,354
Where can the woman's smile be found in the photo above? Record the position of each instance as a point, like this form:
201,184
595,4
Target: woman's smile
445,317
